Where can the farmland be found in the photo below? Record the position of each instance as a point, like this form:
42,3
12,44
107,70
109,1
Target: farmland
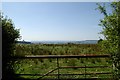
42,66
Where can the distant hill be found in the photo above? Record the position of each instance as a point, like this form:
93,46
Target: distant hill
59,42
87,42
66,42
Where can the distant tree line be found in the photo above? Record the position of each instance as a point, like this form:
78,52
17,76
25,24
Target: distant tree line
24,42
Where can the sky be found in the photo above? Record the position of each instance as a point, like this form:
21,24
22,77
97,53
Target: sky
55,21
58,0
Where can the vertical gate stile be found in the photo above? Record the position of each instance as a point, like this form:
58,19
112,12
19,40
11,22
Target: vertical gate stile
85,71
58,66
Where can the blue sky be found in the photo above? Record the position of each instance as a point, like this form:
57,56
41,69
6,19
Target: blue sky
39,21
58,0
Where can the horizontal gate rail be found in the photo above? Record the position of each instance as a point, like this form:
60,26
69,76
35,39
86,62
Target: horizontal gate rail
85,67
91,73
62,56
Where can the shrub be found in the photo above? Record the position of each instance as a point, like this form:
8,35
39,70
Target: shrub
9,37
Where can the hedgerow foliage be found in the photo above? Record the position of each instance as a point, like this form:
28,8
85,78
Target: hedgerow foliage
111,30
9,37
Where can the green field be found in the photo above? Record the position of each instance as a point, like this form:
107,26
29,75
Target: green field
42,66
